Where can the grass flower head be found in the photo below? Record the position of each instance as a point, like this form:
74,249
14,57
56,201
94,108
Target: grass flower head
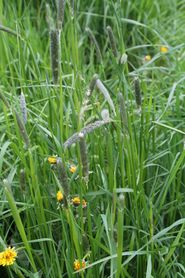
79,264
8,256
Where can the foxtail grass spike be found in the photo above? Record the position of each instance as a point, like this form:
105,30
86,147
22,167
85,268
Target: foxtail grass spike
123,59
60,13
84,158
105,115
62,176
112,41
94,41
92,84
23,107
122,109
49,18
105,92
86,130
22,130
85,243
20,123
88,93
137,91
55,57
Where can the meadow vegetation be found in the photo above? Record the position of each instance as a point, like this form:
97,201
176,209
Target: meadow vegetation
92,150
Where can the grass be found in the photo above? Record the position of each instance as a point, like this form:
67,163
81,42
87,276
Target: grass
134,222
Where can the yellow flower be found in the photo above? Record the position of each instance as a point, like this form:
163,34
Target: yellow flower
147,58
52,159
59,196
79,264
164,49
72,169
8,256
76,202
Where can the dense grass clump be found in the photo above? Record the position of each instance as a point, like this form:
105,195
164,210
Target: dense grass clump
92,178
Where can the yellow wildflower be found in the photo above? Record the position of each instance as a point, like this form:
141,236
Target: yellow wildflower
147,58
79,264
72,169
76,202
52,159
8,256
164,49
59,196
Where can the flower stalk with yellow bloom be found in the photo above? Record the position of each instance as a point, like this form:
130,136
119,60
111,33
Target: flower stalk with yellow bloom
76,201
52,159
59,196
79,264
8,256
164,49
72,168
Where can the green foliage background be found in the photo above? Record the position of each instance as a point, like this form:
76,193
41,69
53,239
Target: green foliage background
133,225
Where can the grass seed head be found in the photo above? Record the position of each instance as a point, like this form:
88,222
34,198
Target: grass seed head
95,43
122,109
22,130
49,18
23,107
112,41
105,115
137,91
106,94
123,59
55,57
60,13
92,84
